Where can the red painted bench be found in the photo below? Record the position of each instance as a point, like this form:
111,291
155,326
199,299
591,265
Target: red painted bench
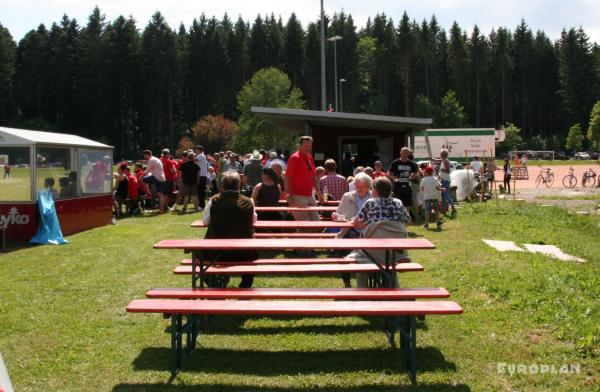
400,316
294,235
320,260
268,293
270,224
301,269
392,246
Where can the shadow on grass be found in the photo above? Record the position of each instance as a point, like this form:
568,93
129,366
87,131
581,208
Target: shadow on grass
274,363
246,388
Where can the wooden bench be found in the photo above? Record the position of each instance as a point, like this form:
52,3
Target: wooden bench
392,246
301,269
400,317
303,293
325,260
295,235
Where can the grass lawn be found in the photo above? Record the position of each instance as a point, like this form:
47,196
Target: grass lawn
63,325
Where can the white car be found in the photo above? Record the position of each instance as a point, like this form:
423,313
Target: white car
453,164
582,155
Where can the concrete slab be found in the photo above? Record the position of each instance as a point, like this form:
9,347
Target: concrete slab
552,251
504,246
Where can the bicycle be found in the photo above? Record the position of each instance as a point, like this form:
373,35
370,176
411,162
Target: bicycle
570,181
589,178
546,176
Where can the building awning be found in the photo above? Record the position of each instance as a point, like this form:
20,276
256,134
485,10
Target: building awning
302,120
25,137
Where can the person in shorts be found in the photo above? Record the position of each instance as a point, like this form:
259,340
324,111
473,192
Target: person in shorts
189,172
170,171
154,175
430,188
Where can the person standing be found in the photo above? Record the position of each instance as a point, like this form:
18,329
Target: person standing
155,175
430,188
202,163
507,175
401,172
189,173
253,170
169,168
447,199
7,170
301,180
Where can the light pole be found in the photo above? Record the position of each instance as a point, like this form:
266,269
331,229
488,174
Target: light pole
341,94
335,39
323,92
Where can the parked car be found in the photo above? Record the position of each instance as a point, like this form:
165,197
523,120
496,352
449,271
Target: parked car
594,155
561,156
582,155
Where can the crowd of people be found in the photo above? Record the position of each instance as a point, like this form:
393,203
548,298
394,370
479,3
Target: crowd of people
267,177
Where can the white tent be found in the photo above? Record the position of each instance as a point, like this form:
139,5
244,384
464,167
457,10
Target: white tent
23,137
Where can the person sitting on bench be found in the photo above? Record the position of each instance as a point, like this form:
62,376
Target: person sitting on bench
382,216
230,214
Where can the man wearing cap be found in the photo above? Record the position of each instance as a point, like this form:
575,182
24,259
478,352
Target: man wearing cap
253,170
203,179
169,168
154,175
301,180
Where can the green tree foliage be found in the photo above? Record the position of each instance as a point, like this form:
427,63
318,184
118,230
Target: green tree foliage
7,75
139,87
451,113
593,133
578,77
512,140
423,107
268,87
575,138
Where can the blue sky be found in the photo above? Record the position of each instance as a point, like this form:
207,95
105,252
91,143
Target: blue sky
20,16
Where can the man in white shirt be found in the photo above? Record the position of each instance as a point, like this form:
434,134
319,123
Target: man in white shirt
476,165
155,175
203,179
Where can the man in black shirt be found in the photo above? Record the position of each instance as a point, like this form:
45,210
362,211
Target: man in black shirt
402,171
190,173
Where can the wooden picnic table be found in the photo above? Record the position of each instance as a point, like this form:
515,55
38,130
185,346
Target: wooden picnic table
330,203
291,224
198,247
296,209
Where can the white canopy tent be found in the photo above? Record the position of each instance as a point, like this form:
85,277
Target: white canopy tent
48,154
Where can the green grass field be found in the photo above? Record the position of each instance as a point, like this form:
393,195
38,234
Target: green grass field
63,325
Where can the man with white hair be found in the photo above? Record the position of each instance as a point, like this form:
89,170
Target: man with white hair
273,158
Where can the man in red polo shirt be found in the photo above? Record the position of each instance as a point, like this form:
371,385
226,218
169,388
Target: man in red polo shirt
301,180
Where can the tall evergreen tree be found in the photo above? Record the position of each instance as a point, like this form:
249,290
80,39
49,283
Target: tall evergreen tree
458,65
294,50
479,63
500,81
7,75
93,78
158,62
577,76
258,51
406,49
312,83
522,54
